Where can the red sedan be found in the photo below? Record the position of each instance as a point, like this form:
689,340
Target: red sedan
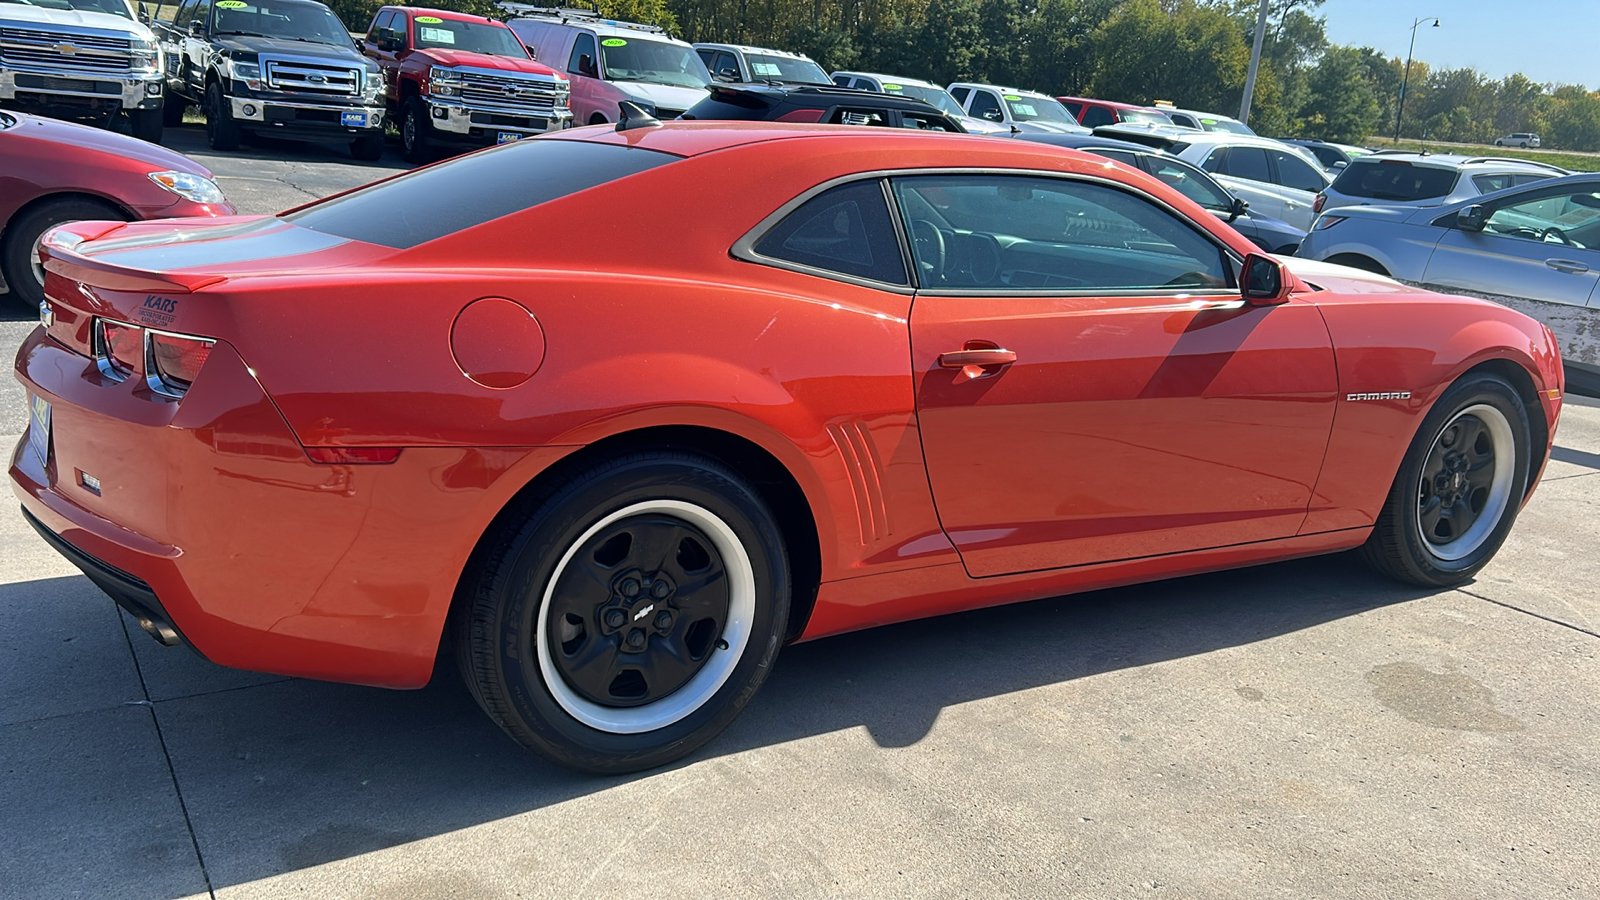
53,172
616,414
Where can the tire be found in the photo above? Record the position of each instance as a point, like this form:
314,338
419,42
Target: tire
547,616
222,132
1459,488
368,147
415,130
172,109
146,124
19,249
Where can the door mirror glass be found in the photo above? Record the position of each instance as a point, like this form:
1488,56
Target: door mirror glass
1266,283
728,74
197,28
1240,207
587,67
1471,218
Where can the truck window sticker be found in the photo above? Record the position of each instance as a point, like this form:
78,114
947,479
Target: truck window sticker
613,42
437,35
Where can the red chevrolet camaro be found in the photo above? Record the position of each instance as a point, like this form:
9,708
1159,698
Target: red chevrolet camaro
617,413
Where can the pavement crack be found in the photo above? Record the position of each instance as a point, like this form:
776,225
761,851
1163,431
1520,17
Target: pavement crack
284,180
1528,612
183,806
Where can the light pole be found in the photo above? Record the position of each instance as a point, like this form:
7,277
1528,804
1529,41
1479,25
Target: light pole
1255,64
1405,80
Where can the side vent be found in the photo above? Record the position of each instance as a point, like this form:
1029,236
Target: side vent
862,464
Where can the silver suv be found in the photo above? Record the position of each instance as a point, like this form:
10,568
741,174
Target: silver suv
738,63
1405,178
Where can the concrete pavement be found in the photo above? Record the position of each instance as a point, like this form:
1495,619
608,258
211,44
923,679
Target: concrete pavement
1299,730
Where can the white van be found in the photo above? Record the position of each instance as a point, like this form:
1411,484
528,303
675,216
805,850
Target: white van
609,61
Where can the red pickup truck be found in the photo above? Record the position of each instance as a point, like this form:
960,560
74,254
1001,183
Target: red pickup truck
453,78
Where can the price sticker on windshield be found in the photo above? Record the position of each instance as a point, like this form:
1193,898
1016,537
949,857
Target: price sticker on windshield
1013,97
613,42
893,87
232,4
429,20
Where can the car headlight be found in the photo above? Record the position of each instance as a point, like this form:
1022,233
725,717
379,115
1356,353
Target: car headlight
146,56
247,72
374,83
444,82
189,187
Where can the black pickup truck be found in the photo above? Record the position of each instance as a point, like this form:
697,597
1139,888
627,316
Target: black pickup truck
285,68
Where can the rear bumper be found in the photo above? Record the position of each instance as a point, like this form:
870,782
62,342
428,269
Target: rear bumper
211,520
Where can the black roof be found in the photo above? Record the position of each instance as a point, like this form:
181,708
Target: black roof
817,96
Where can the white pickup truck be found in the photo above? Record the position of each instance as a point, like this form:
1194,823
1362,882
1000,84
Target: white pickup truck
81,59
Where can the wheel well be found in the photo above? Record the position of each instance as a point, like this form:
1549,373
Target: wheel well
127,215
408,89
1357,261
777,487
597,119
1539,429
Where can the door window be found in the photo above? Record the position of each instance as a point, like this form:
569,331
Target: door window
1011,232
185,14
1297,173
846,230
985,106
1190,182
1248,162
583,46
1571,219
1095,116
960,94
384,20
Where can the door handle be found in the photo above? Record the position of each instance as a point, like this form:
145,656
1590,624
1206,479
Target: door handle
978,362
1571,267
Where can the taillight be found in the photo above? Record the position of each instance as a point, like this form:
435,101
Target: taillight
119,348
1317,204
176,360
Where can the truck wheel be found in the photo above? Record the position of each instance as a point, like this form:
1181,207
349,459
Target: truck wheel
368,147
146,124
222,132
627,619
19,252
172,108
415,145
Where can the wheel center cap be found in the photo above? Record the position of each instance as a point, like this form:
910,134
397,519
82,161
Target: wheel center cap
640,606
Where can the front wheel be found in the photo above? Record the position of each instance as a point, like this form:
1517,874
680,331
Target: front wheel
1459,486
146,124
628,618
222,132
415,144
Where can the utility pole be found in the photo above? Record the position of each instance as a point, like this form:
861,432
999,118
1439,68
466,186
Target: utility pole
1405,80
1255,63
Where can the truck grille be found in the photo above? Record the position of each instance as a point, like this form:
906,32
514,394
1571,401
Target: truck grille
309,78
66,51
525,96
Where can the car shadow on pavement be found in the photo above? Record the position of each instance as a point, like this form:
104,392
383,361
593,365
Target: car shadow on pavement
279,775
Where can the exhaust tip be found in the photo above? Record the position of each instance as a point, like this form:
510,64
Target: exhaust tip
164,634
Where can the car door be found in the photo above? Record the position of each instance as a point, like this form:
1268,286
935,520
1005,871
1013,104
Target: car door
197,50
388,59
1300,182
1539,245
1246,173
1091,386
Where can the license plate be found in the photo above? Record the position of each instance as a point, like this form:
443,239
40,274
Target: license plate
39,428
353,120
506,137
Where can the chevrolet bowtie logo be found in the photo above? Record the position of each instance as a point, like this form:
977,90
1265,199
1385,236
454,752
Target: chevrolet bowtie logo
66,49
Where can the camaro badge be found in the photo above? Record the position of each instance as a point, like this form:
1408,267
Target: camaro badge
1387,395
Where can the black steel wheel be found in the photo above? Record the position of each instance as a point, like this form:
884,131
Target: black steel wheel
146,124
1459,487
626,619
415,145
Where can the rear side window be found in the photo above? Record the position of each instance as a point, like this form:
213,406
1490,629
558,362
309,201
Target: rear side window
960,94
1095,116
1490,183
1394,180
1248,162
846,229
480,187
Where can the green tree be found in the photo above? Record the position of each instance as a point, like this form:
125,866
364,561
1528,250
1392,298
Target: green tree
1192,55
1341,104
1574,118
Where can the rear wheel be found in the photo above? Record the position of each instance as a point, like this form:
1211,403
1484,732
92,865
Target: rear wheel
628,618
172,109
19,253
222,132
1459,486
146,124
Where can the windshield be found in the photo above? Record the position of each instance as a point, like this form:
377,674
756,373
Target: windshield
493,39
1031,108
112,7
655,62
933,95
1228,125
309,22
785,68
1144,117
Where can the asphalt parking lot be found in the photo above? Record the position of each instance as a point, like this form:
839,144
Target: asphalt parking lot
1305,729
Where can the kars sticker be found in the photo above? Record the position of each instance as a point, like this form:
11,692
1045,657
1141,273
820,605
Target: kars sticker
613,42
429,20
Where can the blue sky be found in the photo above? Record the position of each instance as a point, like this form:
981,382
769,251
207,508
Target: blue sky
1546,40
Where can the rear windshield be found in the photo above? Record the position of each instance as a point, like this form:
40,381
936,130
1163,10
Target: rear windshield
738,106
469,190
1394,180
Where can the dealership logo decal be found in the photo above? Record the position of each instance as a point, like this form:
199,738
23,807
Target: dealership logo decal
158,311
1387,395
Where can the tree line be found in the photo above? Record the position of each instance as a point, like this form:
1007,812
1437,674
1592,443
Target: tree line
1194,53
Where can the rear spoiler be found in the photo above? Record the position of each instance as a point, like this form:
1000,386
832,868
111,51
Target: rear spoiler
58,251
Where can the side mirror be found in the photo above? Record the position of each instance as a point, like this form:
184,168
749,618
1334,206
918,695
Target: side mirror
1471,218
1266,281
197,28
1240,207
992,115
389,39
728,74
1338,164
587,67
